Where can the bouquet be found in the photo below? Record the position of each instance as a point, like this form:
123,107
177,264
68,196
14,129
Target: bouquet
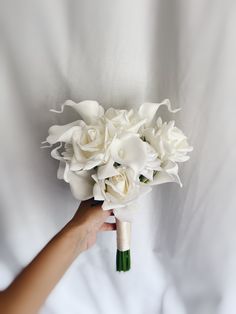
115,156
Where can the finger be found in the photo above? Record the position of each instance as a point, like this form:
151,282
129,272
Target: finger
108,226
103,214
106,213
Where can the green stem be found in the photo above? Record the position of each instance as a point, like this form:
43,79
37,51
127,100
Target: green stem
123,260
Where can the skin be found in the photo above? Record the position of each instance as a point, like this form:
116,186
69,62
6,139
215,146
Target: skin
29,290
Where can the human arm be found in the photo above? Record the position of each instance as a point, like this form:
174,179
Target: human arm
30,289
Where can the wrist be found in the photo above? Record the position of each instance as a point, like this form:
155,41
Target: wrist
75,235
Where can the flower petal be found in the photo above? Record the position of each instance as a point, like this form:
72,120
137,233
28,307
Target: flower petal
107,170
55,154
63,133
134,128
148,110
168,174
97,193
131,199
61,170
89,110
129,150
81,184
162,177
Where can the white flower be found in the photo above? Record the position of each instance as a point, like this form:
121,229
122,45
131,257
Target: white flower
81,182
129,150
148,110
115,156
168,173
117,187
120,121
84,147
169,142
88,110
62,133
171,147
151,166
89,147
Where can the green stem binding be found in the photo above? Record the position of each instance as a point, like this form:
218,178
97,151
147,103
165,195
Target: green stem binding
123,260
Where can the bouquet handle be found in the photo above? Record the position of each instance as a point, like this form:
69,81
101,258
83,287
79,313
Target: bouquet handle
123,236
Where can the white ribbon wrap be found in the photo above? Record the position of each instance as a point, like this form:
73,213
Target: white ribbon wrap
123,232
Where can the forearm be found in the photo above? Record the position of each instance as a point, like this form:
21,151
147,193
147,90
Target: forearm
30,289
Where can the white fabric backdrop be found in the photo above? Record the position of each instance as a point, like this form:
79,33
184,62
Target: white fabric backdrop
122,53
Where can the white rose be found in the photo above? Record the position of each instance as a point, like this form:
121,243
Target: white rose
120,121
85,146
89,147
171,147
117,186
169,142
81,182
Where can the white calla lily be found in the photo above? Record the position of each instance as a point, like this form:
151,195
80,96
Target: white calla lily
129,150
168,173
63,170
62,133
148,110
81,182
153,163
89,110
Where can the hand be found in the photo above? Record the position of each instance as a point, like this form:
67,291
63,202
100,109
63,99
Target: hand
30,289
91,219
